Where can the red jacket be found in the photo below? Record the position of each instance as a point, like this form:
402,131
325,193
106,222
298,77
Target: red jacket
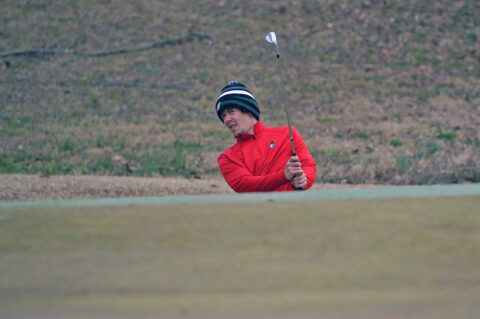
256,163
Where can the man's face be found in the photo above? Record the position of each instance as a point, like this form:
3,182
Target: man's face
238,122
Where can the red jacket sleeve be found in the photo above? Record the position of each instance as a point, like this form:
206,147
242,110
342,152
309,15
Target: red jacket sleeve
308,163
241,180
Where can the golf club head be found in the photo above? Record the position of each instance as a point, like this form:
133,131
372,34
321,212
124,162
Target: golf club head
272,38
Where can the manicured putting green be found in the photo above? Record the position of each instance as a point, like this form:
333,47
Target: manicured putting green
366,258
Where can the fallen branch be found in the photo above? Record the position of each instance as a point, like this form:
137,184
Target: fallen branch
134,85
179,40
35,52
190,35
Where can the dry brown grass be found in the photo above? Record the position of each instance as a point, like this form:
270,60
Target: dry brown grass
380,91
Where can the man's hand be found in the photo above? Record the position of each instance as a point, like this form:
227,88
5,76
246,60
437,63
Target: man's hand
299,181
293,168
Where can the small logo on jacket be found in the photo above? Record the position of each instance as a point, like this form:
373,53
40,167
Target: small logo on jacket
271,144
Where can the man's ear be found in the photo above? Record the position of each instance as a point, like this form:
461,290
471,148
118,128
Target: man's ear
252,116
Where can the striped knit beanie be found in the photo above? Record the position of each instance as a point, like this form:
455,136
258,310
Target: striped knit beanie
237,95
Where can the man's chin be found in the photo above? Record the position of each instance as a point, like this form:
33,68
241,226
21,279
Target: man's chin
236,134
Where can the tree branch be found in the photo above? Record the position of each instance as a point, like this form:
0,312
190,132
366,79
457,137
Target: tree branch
189,36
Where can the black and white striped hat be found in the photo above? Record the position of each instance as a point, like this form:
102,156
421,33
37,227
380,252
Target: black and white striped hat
237,95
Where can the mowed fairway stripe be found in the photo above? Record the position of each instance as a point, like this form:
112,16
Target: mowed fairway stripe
375,258
367,193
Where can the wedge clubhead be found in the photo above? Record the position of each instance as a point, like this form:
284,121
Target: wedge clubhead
272,38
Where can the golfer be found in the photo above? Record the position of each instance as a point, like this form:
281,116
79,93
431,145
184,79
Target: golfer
261,159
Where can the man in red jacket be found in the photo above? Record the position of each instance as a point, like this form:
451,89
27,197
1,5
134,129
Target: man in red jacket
261,160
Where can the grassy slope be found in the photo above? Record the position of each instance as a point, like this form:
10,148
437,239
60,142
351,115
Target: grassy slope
415,258
382,91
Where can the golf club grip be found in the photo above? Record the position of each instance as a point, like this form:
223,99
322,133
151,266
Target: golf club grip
294,154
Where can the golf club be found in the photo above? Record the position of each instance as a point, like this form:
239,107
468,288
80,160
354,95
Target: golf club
272,38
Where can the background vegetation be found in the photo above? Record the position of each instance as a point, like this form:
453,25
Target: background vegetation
382,91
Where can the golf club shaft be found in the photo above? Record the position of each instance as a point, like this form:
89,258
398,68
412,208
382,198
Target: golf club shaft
286,109
285,105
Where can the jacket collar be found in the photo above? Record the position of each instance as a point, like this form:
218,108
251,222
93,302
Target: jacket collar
257,130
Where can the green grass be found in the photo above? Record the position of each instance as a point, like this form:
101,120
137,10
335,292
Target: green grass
450,136
404,162
353,259
396,143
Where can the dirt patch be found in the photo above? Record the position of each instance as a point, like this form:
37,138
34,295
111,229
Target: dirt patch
34,187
